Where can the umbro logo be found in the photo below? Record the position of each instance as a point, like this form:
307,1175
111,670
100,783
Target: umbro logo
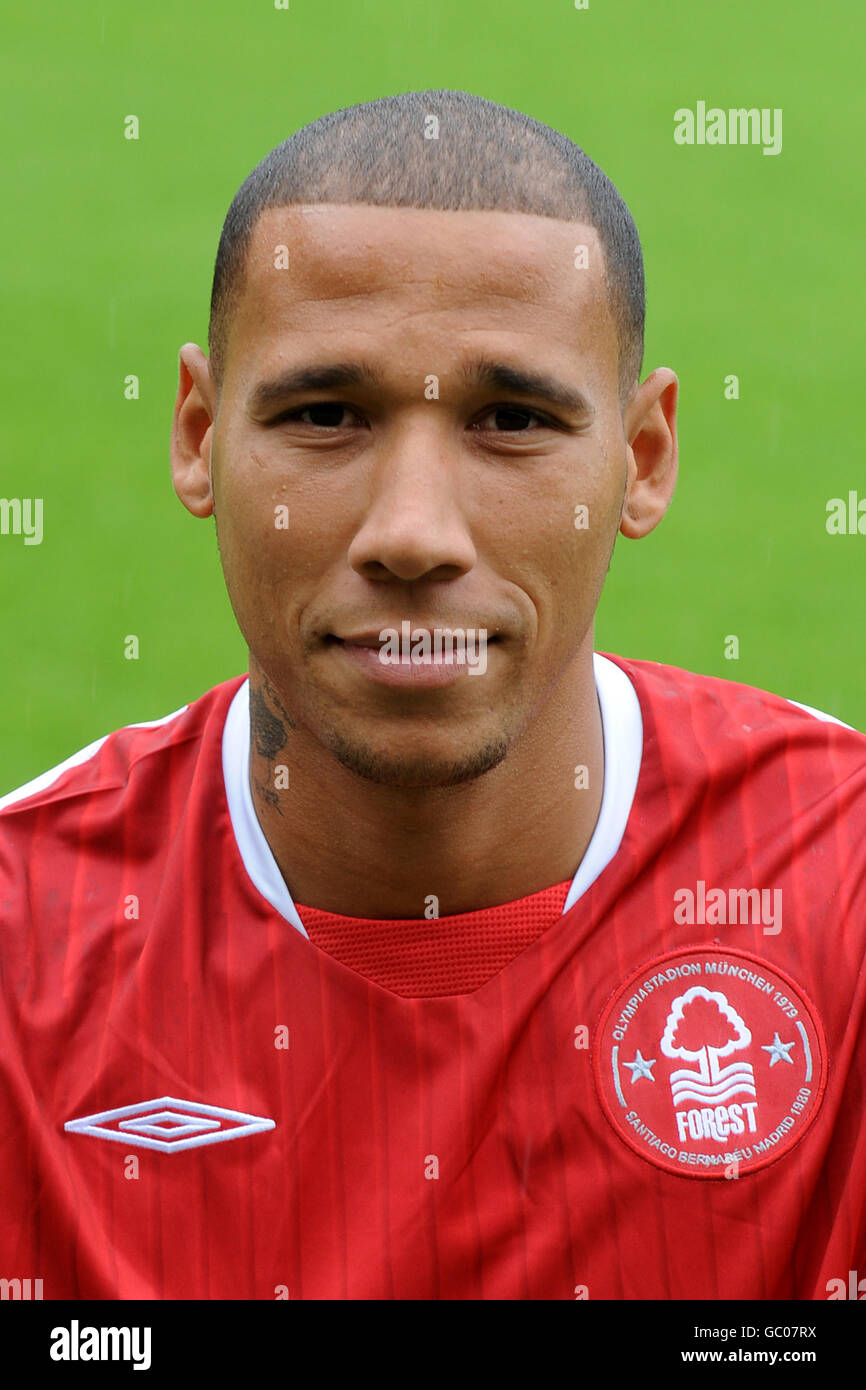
168,1124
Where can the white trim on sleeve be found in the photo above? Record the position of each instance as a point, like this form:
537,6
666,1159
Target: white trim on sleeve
45,779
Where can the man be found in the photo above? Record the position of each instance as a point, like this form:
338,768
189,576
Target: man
415,966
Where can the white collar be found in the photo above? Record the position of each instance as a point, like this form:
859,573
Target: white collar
622,726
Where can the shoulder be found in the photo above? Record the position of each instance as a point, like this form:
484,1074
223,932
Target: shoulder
663,689
704,729
136,760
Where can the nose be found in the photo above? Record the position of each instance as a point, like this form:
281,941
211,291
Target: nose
415,524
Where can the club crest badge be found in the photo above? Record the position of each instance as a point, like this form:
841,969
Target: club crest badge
710,1062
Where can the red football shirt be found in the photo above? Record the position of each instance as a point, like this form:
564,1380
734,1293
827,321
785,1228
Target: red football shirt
646,1083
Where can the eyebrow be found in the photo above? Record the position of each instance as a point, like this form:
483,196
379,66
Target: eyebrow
320,378
482,372
500,376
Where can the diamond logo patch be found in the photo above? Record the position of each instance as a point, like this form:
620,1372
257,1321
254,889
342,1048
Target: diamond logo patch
169,1125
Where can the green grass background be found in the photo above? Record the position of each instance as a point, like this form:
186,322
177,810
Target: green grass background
753,266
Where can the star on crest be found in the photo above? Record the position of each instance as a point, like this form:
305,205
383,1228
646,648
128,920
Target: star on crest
778,1050
641,1067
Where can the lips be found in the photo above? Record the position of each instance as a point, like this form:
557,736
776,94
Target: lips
366,657
372,638
364,639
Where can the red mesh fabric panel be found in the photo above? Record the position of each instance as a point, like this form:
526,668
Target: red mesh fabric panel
446,955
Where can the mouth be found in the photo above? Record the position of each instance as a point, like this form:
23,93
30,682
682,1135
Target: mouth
371,638
440,664
360,639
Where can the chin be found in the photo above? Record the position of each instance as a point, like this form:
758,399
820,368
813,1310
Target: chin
419,769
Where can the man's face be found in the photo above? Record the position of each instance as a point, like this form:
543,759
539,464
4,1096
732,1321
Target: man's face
431,497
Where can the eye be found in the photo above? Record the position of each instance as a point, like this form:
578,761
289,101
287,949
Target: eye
331,410
515,417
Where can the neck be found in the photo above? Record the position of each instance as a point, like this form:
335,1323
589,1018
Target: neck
351,846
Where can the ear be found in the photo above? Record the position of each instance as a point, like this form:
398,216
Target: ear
651,431
192,431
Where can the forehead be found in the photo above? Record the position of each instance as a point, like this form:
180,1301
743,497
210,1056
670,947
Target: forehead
410,275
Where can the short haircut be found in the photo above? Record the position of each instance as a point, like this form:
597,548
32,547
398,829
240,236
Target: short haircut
486,157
